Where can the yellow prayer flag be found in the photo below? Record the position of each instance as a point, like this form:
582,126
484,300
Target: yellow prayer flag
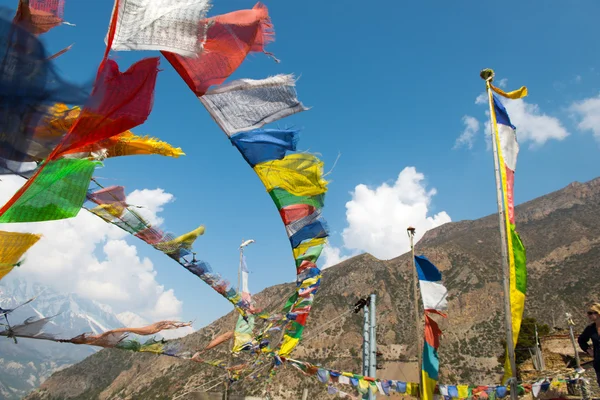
515,94
12,247
300,174
184,241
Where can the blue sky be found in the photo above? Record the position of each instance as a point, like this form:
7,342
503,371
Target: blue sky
388,86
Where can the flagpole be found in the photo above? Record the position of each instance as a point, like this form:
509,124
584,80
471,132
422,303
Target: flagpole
488,76
411,234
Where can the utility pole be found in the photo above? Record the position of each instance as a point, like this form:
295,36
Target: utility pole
373,343
366,345
369,342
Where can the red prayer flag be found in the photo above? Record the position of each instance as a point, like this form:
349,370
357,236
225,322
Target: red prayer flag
120,101
39,16
230,38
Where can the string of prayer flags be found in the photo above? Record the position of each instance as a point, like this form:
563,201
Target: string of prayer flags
364,384
295,182
33,328
113,337
248,104
113,208
508,149
176,26
12,247
230,38
222,286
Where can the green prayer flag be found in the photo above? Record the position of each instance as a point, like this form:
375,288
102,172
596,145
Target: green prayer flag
283,198
58,192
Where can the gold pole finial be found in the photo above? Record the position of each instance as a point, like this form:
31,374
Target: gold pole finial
487,74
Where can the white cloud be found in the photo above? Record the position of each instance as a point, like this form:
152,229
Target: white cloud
332,256
151,202
588,114
378,218
467,137
502,83
482,99
533,126
87,256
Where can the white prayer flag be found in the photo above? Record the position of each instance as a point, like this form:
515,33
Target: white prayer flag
176,26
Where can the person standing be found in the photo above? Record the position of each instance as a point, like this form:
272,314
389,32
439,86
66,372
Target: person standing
592,332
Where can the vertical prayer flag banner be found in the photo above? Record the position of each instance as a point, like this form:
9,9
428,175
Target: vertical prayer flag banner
434,295
230,38
175,26
508,149
12,247
247,104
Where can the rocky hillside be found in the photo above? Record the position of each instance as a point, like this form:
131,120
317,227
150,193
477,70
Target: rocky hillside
560,230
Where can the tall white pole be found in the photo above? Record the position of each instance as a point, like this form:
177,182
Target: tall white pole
372,343
365,369
488,76
411,235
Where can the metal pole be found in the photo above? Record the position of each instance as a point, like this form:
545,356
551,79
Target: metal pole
372,343
488,77
411,235
571,324
305,394
366,345
365,368
240,266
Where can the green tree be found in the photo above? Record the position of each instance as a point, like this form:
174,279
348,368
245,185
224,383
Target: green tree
526,340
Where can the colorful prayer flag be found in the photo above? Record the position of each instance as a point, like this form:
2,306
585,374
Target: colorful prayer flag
508,148
176,26
433,292
12,247
57,192
434,295
229,39
39,16
247,104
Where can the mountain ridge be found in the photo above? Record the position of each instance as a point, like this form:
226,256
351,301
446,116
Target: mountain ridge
560,230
